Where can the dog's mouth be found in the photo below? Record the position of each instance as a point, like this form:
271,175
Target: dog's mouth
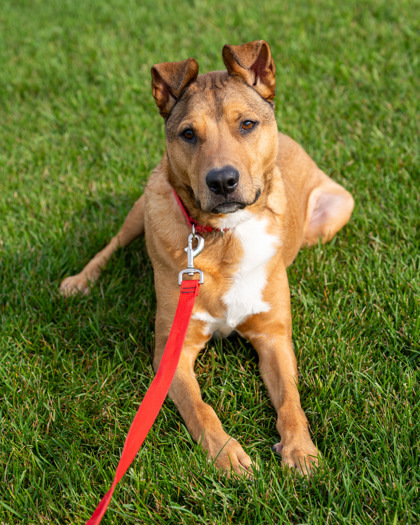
228,207
232,206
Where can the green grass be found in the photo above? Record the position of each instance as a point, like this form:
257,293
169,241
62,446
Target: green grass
79,134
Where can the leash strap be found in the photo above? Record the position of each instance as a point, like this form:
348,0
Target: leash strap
155,396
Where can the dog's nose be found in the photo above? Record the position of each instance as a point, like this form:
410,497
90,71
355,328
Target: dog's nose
222,181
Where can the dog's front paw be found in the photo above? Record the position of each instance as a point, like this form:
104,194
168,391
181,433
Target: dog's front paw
75,284
302,457
232,458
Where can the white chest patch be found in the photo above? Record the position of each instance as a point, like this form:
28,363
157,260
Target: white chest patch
244,297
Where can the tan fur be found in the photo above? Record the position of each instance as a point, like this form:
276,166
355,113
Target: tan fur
279,183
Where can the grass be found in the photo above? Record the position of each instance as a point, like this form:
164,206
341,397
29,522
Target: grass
79,134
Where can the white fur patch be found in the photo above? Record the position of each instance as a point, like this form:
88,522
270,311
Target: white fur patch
232,220
217,327
244,297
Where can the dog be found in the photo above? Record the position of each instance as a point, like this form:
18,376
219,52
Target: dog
256,198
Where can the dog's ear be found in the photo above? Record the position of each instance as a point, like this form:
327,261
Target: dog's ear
253,62
169,80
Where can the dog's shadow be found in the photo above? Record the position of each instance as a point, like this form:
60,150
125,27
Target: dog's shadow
119,311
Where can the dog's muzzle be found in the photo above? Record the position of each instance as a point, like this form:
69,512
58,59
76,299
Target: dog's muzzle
222,181
225,193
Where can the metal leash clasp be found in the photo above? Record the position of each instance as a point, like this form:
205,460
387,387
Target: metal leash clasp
191,253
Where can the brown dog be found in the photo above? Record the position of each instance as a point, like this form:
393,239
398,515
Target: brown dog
228,166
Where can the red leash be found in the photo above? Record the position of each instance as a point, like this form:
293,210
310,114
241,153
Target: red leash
155,396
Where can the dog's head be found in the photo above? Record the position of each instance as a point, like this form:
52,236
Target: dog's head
220,128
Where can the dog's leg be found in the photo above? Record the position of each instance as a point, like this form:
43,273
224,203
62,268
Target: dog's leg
200,418
131,229
328,209
271,335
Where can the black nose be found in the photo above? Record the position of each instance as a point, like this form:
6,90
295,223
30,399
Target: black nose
222,181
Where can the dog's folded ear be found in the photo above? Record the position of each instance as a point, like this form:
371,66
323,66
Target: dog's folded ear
253,62
169,80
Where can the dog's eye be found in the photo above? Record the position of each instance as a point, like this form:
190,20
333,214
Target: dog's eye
247,125
188,134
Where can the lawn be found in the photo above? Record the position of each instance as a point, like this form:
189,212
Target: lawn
79,134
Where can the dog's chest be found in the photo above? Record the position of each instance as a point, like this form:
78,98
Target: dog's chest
244,291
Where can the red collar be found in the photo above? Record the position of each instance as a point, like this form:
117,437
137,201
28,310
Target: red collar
199,228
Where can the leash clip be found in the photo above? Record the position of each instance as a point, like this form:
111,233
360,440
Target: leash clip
191,253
